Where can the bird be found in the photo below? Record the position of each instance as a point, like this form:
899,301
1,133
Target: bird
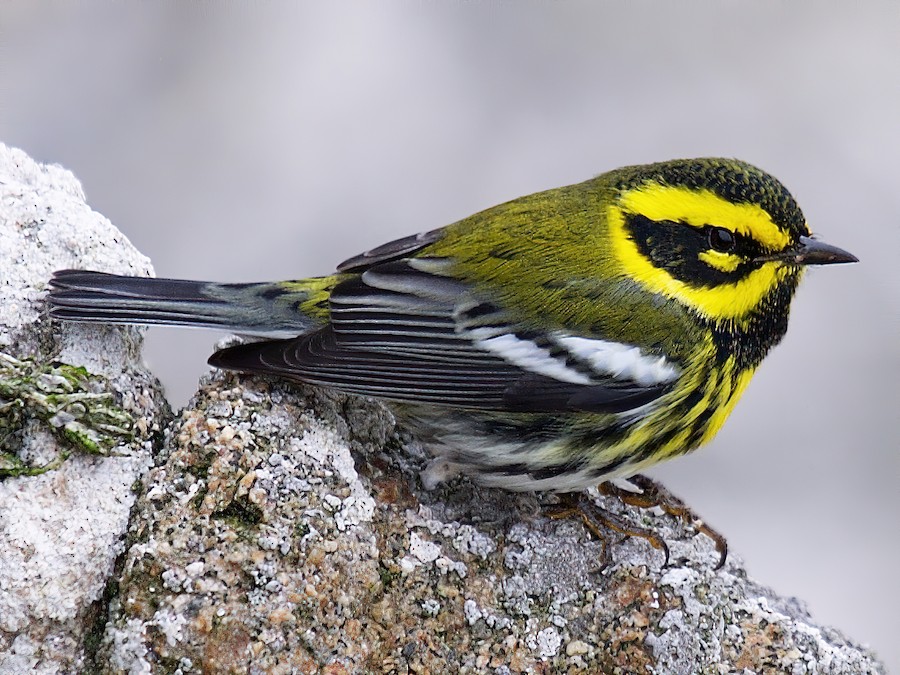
552,343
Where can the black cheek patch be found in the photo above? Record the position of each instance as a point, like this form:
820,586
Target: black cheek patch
676,248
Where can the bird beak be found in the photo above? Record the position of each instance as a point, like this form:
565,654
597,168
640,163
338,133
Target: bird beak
810,251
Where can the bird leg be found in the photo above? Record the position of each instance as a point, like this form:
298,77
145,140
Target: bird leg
599,522
654,494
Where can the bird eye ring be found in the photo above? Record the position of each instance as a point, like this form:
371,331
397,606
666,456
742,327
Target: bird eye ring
720,239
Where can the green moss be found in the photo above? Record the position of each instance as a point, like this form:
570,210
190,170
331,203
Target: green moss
199,466
197,499
70,402
240,514
388,577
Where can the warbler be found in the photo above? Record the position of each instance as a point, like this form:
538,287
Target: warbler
550,343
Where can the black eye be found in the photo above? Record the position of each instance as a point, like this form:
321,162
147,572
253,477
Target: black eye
720,239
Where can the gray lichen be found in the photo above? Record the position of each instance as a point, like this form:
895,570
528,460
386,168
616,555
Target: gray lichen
61,531
261,546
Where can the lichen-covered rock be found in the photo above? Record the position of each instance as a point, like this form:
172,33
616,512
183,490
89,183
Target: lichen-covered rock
259,545
60,532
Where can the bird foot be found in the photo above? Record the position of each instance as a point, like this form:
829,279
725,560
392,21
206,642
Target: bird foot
601,522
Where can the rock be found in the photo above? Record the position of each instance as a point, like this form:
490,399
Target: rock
286,529
61,532
266,550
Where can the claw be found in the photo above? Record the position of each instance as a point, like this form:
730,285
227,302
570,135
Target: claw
600,522
654,494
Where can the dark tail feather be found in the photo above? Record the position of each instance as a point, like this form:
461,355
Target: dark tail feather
253,357
97,297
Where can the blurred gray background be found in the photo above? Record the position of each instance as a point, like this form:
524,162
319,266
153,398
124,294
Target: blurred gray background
250,142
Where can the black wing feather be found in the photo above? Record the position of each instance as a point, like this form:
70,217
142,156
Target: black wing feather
393,250
395,334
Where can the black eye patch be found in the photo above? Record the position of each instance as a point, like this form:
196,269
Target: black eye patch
676,248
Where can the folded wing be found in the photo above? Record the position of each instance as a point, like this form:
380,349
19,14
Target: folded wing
406,331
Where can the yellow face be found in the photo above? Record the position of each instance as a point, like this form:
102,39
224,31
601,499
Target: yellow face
699,249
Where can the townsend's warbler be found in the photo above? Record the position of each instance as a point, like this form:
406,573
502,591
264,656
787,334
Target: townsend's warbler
549,343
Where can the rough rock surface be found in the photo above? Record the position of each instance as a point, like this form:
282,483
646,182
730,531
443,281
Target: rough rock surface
260,545
60,533
285,529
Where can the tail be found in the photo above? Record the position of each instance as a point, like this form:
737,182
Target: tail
274,310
